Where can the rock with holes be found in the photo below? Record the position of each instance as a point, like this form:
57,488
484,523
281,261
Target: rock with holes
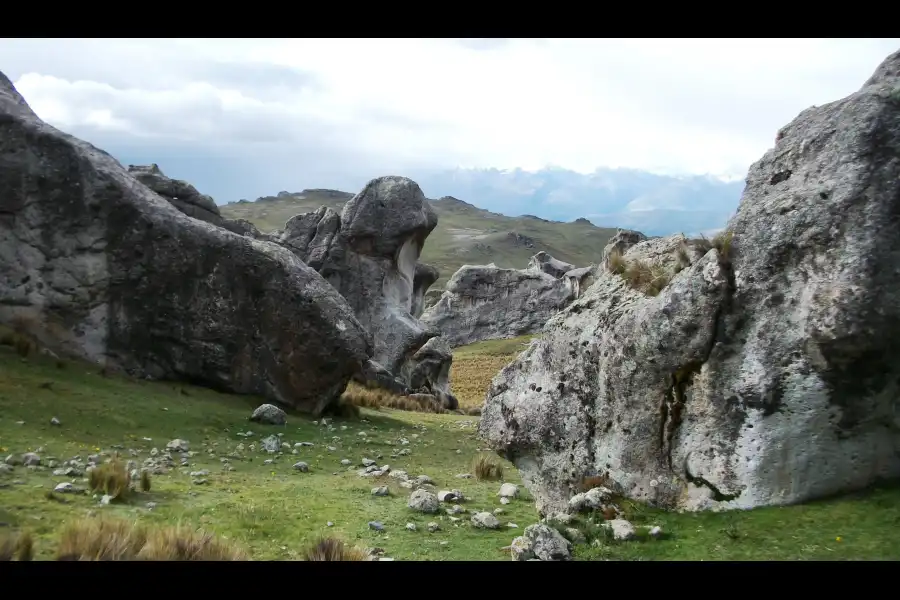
424,501
757,368
543,543
97,265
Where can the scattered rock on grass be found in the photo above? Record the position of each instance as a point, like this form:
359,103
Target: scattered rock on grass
376,525
508,490
432,527
30,459
55,421
381,491
423,501
621,529
410,526
178,445
485,520
301,466
269,414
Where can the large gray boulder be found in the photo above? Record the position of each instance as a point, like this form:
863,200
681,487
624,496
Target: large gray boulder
369,254
96,265
488,302
766,371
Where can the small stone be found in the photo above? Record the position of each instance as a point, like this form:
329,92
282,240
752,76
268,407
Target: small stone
432,527
154,452
13,460
376,525
504,500
449,496
201,473
424,479
622,530
31,459
199,481
655,531
368,462
268,461
547,543
302,467
269,414
410,526
508,490
485,520
381,491
64,488
178,445
270,444
329,524
498,511
464,476
55,421
346,462
521,550
106,499
423,501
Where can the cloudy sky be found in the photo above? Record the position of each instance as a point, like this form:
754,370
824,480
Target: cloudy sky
246,118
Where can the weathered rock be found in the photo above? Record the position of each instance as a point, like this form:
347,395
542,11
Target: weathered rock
424,501
487,302
175,445
521,549
765,372
30,459
547,543
621,243
369,254
594,499
485,520
429,371
545,263
622,530
269,414
97,266
509,490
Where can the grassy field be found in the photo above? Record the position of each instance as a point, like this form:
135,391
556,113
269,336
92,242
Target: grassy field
465,234
476,364
273,512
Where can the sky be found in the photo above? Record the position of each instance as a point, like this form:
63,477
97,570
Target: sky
253,117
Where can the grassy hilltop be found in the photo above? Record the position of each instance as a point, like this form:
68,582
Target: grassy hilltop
465,234
270,511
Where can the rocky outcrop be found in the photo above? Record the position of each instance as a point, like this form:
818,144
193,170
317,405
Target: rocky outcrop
96,265
488,302
429,372
185,197
369,253
766,371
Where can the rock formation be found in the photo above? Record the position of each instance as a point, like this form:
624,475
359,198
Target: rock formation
488,302
96,265
766,372
369,253
188,200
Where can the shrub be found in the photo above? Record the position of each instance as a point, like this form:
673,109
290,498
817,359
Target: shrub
111,479
329,548
486,467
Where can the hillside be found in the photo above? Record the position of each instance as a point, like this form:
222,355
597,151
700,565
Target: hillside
465,233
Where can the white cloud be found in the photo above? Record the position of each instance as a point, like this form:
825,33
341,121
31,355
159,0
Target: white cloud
696,106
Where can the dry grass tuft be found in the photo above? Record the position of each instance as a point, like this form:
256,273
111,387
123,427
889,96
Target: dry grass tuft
183,543
329,548
487,468
145,481
377,398
343,408
111,479
645,278
100,539
18,546
722,242
108,539
615,262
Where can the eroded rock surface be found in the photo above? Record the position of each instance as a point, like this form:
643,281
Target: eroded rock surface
487,302
95,265
766,371
369,253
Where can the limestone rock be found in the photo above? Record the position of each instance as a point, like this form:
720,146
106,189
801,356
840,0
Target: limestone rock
487,302
369,253
424,501
766,371
97,266
269,414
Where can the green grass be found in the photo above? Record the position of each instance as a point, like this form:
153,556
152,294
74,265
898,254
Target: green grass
578,243
275,512
271,510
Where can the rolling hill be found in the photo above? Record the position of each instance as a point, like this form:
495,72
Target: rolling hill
465,234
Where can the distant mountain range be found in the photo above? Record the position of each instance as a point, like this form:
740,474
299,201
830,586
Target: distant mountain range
627,198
